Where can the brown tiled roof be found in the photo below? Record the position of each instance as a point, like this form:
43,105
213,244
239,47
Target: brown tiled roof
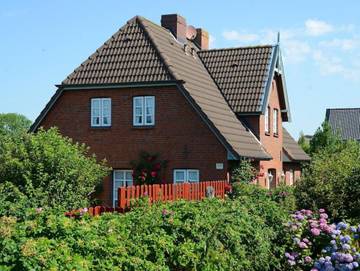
292,148
241,74
142,51
202,89
127,56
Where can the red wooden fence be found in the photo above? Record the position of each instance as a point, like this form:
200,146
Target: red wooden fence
169,192
156,192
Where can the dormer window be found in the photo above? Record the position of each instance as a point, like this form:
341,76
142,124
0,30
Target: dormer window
101,112
144,111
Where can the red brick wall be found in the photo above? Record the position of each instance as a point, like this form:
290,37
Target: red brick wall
179,135
272,143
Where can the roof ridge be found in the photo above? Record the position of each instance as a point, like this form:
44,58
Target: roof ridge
240,47
151,39
344,108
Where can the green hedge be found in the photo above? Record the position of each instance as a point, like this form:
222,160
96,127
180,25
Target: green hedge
238,234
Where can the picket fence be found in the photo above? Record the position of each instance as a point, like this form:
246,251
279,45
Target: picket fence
127,196
170,192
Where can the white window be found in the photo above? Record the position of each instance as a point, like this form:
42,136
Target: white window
100,112
121,178
144,110
267,124
186,175
275,121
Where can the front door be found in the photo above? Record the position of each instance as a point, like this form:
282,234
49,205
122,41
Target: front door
272,178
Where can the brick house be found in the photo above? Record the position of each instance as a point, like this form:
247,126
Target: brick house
160,89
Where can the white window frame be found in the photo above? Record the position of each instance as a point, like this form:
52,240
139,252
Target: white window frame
143,101
186,175
276,121
102,113
124,182
267,120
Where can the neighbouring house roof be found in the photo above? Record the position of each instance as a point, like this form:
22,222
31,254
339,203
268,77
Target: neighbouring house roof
144,52
345,121
244,76
292,151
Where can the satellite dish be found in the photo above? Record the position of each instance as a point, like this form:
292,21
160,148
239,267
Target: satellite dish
190,32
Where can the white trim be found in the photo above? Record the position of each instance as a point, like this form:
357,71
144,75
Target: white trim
186,173
143,114
124,180
267,119
100,115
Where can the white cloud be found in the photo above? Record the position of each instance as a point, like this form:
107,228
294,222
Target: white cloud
240,37
211,41
315,27
344,44
335,66
295,51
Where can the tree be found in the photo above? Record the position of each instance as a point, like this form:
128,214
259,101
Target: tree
50,170
324,138
304,144
332,181
13,124
244,173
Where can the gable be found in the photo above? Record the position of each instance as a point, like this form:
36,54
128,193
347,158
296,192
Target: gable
244,76
128,56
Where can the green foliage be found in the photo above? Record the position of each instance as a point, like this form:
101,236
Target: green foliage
214,234
49,170
268,205
324,138
13,124
284,195
332,181
147,170
304,144
244,173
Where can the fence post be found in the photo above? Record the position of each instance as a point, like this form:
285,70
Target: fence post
122,197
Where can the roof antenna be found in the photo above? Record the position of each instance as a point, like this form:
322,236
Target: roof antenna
278,37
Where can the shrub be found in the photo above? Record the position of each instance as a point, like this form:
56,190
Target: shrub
317,245
244,173
50,170
12,124
332,181
207,235
260,202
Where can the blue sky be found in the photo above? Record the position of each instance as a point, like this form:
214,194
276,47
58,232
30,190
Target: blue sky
43,41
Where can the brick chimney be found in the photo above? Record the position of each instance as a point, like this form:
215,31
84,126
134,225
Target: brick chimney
176,24
202,39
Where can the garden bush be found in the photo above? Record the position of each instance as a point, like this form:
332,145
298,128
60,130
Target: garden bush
49,170
320,246
206,235
332,181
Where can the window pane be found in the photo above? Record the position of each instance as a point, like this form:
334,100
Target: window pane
119,175
138,101
128,175
179,175
138,120
138,111
275,121
149,119
266,120
96,121
193,175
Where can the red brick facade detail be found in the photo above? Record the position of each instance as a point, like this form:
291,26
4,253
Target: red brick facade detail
273,143
179,134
